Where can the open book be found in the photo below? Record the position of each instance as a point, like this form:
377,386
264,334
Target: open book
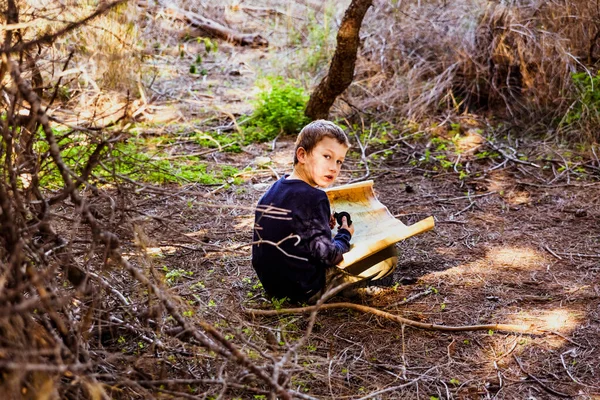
376,230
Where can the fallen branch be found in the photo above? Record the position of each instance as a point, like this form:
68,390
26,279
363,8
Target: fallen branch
549,250
197,154
268,11
404,321
215,29
574,354
510,157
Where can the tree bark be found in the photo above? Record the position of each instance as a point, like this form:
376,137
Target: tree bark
341,70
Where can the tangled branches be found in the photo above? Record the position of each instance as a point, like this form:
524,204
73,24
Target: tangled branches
47,328
61,311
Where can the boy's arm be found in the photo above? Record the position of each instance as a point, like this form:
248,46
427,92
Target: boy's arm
326,250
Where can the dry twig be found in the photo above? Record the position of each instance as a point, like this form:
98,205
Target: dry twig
396,318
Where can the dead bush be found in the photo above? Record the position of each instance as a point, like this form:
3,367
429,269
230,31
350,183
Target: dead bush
513,58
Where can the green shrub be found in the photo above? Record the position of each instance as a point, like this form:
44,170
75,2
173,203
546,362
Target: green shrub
279,109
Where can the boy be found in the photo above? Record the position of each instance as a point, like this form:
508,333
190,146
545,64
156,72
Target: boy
296,267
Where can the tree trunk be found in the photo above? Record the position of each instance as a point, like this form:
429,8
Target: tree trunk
341,70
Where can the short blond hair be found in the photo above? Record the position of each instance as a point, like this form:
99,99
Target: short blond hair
314,132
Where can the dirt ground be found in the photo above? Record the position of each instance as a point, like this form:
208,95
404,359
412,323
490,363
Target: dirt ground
505,250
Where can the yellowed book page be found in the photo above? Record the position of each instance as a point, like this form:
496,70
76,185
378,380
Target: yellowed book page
375,227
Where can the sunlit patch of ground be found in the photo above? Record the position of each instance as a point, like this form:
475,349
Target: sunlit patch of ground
561,320
498,181
497,264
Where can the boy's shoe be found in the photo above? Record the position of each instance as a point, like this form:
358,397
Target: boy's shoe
373,290
363,291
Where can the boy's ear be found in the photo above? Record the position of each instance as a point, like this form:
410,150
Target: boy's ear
301,155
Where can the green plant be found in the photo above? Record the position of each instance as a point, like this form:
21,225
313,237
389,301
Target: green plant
279,109
222,141
277,303
314,42
209,45
321,41
173,276
586,108
131,160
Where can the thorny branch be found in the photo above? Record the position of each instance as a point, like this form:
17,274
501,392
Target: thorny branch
214,341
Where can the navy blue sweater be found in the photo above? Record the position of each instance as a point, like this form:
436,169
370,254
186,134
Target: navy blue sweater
308,218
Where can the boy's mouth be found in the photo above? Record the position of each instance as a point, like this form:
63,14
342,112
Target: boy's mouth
329,177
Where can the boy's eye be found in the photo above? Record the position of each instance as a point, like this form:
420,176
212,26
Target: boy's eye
327,157
340,162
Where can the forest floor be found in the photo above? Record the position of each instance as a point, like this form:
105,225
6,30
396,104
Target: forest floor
509,247
511,251
517,244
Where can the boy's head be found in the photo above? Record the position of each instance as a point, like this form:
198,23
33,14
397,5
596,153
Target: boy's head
320,151
314,132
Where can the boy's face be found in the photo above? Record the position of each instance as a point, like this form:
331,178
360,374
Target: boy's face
323,164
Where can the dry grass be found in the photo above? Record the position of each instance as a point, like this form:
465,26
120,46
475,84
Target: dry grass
515,60
472,55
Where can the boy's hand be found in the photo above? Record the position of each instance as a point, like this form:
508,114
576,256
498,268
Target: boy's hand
345,226
331,222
